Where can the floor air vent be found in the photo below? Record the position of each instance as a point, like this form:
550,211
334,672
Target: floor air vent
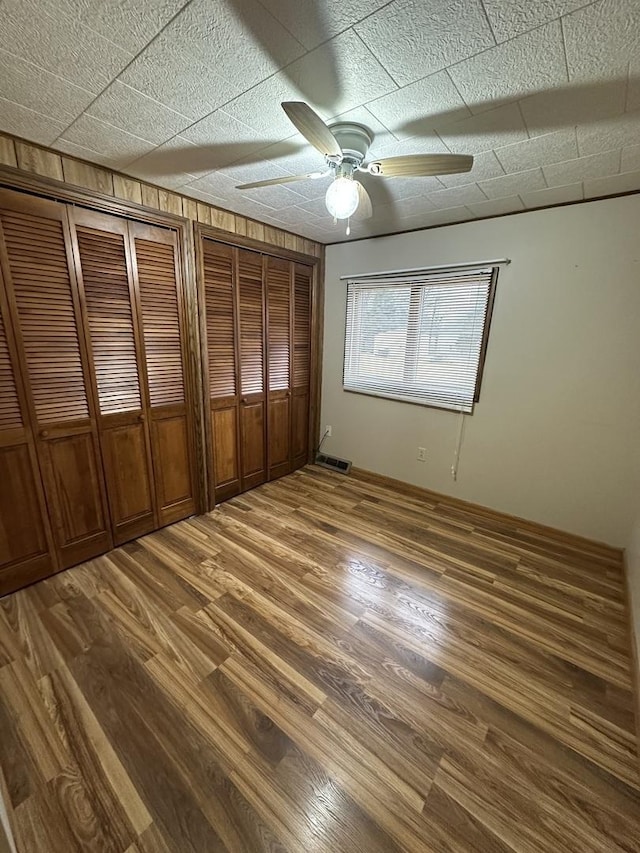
333,462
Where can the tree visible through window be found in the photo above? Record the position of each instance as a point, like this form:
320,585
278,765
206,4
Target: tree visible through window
419,339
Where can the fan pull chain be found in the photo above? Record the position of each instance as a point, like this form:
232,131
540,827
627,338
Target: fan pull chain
348,226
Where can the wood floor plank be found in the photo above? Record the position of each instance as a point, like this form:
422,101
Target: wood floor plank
325,663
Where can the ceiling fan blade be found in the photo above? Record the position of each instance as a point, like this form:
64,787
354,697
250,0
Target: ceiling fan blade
365,208
420,165
311,126
285,179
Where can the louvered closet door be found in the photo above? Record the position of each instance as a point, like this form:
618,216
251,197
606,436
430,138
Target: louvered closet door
301,369
278,281
101,244
26,548
44,305
218,263
252,369
157,273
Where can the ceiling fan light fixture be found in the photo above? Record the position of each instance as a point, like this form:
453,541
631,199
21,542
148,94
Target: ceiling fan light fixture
342,198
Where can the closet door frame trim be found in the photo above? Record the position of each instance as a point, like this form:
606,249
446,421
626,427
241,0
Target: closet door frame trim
14,179
239,241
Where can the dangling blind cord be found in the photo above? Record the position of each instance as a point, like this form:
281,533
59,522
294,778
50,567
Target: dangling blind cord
456,454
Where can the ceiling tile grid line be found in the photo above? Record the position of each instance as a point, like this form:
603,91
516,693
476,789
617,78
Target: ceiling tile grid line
544,93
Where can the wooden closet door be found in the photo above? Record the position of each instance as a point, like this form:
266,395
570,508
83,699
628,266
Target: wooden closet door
159,284
43,301
26,547
278,286
251,339
101,244
220,308
301,377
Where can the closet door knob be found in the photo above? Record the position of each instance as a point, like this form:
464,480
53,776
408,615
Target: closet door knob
44,433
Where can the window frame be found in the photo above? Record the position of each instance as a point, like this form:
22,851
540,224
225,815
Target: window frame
418,286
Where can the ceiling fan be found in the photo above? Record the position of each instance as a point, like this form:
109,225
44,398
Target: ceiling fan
344,147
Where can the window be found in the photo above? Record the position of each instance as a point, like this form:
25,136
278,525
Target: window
419,338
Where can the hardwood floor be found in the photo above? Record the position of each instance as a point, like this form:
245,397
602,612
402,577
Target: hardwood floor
324,664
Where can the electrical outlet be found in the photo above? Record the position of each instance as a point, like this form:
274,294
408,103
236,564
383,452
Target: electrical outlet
422,454
327,431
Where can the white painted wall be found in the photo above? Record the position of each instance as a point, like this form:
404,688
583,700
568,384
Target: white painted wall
555,437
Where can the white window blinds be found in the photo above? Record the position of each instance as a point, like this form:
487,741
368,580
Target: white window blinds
420,339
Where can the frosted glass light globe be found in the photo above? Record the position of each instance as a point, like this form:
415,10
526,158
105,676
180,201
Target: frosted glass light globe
342,198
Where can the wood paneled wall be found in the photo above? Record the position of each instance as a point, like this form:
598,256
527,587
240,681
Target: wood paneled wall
46,163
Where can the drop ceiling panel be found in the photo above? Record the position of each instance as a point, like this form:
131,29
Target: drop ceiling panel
544,93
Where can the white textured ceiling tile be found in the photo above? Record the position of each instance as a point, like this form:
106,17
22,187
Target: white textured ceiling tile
313,23
602,39
510,185
119,147
129,23
341,74
311,189
247,171
294,155
316,207
619,132
412,206
260,108
484,131
457,196
361,79
289,216
633,86
485,165
249,207
130,110
413,38
227,139
176,80
82,153
553,195
578,103
549,148
630,160
428,219
583,168
525,65
430,143
627,182
172,164
509,18
59,44
28,124
418,107
208,198
497,206
39,90
404,188
277,197
203,58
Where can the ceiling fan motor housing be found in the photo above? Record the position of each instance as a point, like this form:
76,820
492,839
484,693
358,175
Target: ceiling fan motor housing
354,139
